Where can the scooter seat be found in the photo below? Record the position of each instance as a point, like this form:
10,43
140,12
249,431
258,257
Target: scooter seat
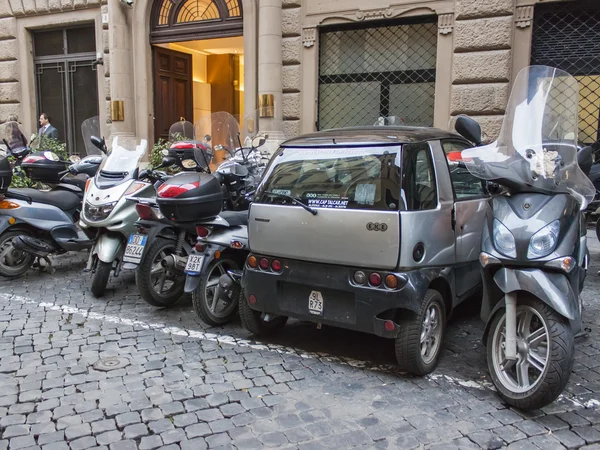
63,200
235,218
78,180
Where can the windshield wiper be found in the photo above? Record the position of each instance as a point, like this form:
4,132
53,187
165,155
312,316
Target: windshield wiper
294,200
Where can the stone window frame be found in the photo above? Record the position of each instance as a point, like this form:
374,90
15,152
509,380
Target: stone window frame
26,26
310,54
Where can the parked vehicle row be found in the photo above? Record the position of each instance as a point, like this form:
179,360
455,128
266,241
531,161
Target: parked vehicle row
329,230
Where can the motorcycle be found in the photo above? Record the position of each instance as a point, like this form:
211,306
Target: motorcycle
165,223
222,244
534,255
35,223
106,212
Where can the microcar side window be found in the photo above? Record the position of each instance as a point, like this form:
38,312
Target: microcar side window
466,186
419,189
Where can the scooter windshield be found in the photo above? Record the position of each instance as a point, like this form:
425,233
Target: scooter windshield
537,146
90,127
124,156
218,132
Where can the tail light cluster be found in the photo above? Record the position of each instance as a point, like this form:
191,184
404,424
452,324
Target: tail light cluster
265,264
376,280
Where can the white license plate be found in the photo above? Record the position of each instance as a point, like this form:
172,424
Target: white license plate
135,248
315,303
194,264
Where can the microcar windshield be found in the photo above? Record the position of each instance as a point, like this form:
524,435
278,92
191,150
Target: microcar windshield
537,146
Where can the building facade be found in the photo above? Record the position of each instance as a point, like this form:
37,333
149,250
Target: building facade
326,63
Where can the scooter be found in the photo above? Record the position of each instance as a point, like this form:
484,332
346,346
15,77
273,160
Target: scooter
107,214
534,253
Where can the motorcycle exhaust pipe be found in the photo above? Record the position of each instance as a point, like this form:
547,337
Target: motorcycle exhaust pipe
174,262
510,349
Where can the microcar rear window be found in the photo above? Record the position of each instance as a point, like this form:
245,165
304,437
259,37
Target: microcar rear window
339,178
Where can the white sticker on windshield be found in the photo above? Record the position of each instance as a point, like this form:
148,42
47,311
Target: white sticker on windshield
365,194
327,203
282,191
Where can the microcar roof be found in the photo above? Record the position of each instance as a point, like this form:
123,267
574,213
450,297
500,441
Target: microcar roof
364,136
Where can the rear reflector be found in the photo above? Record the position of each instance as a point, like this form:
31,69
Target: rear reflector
199,247
375,279
174,190
202,231
276,265
391,281
251,299
389,325
264,263
252,262
144,211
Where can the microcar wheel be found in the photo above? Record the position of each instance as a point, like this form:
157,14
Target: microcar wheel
214,311
545,350
598,228
13,262
159,286
254,321
100,279
419,341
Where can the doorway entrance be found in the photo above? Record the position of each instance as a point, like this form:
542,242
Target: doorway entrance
198,61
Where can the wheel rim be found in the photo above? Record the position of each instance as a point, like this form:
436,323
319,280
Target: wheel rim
533,350
11,259
218,307
163,280
431,333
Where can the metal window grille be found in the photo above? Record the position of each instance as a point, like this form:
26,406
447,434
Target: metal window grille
377,70
567,36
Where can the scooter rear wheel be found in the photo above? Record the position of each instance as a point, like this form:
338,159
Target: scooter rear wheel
100,278
13,263
545,351
214,311
158,285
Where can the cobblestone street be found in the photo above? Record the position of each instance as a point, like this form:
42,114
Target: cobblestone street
169,382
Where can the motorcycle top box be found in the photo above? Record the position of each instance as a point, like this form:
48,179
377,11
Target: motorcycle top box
40,168
189,197
5,174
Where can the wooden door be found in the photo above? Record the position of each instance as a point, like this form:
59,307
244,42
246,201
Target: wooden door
173,96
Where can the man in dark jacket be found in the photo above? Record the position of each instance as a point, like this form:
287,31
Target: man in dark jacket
46,127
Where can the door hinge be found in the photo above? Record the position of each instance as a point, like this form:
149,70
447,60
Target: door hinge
453,219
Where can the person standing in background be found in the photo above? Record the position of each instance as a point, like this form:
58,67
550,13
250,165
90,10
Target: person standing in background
46,127
13,136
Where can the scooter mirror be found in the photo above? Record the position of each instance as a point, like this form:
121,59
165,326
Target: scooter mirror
468,128
98,143
51,156
164,152
143,174
258,142
74,159
168,161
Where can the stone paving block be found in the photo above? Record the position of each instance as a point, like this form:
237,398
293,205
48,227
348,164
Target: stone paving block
77,431
569,439
173,436
198,430
21,442
195,444
48,438
160,426
16,430
103,426
151,442
209,415
217,440
128,419
110,437
83,443
587,433
124,445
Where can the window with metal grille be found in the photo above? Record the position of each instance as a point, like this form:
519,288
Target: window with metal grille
377,70
567,36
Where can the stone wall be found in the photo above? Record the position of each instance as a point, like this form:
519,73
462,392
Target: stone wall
482,63
291,71
10,11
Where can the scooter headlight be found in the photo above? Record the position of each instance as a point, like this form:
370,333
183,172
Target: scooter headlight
504,241
544,241
98,213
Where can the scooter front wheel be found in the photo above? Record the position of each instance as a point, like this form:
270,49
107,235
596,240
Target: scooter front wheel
545,351
100,278
13,263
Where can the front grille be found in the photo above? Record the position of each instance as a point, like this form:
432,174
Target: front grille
113,175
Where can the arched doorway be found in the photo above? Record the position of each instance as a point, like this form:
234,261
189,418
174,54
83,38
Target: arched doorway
198,60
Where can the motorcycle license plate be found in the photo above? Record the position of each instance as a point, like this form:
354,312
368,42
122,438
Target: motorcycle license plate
194,264
135,248
315,303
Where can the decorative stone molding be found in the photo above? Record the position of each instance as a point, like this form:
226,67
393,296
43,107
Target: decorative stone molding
524,16
445,23
374,14
309,36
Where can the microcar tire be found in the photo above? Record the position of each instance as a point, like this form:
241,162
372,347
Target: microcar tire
254,323
25,260
100,279
201,296
558,354
145,282
598,228
419,342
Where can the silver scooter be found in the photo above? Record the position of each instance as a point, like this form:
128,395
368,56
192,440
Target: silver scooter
107,210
